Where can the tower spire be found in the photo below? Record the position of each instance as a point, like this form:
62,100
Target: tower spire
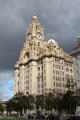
34,18
34,14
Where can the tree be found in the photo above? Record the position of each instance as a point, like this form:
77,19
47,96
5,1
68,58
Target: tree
16,103
10,105
69,102
77,93
1,108
70,85
30,102
40,101
58,104
20,102
49,101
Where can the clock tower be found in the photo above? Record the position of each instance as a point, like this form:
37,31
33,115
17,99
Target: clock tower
42,66
35,32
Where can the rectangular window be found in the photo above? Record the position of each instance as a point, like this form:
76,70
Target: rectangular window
38,43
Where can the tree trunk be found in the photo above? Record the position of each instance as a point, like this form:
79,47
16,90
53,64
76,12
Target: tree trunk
21,112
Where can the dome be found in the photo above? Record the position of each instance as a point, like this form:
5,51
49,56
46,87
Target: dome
51,41
34,16
79,36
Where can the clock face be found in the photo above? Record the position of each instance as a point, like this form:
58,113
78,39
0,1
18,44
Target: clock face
39,36
29,36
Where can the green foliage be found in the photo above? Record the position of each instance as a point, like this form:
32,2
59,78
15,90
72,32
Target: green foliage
58,104
30,104
49,101
20,102
1,108
9,106
69,85
11,119
77,93
40,101
69,102
66,102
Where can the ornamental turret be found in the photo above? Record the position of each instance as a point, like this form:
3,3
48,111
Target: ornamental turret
35,31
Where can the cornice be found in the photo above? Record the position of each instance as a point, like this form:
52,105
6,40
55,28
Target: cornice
42,57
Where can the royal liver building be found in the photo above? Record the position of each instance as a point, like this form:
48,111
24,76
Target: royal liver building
42,66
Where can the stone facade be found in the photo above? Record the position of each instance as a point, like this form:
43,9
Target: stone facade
42,66
76,58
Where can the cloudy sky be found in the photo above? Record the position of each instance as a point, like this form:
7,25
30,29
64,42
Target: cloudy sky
59,18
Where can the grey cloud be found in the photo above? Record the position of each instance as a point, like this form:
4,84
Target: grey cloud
59,18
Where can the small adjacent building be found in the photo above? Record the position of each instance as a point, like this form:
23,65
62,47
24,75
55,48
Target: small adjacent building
42,66
76,58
